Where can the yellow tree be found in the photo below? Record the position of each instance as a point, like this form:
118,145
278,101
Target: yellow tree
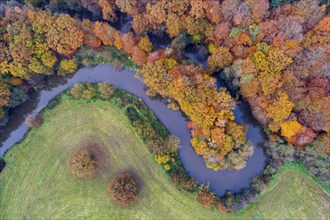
174,25
280,109
4,94
220,58
198,8
65,36
290,128
145,44
67,66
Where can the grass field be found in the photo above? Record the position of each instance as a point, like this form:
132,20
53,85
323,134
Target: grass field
36,183
293,195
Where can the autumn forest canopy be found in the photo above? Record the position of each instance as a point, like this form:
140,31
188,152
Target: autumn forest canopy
275,55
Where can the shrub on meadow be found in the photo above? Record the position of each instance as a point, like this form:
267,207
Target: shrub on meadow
206,197
124,189
82,163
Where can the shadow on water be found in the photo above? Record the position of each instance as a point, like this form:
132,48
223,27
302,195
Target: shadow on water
176,123
123,22
197,53
17,115
159,40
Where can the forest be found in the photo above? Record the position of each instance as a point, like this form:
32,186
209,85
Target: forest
274,55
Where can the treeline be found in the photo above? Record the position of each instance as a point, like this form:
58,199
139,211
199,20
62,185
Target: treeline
278,59
38,42
285,80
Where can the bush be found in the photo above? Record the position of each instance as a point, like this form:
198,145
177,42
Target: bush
280,152
183,181
89,93
124,189
67,67
259,183
90,57
206,197
318,163
53,103
83,91
106,91
221,207
144,130
33,121
157,145
82,163
77,90
132,114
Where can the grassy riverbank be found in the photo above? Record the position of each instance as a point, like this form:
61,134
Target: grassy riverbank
36,183
293,194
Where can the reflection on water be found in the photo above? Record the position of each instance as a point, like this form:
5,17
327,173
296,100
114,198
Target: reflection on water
175,122
197,53
122,23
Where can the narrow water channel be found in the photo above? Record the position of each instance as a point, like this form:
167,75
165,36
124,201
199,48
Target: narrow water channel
176,123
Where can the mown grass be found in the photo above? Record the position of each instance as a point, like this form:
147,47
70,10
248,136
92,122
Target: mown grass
36,183
293,194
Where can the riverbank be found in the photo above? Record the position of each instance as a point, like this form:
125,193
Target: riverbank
295,193
174,121
38,164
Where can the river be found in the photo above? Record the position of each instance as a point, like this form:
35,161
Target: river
175,122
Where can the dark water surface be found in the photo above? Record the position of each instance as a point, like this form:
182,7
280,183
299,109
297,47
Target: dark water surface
197,53
175,122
